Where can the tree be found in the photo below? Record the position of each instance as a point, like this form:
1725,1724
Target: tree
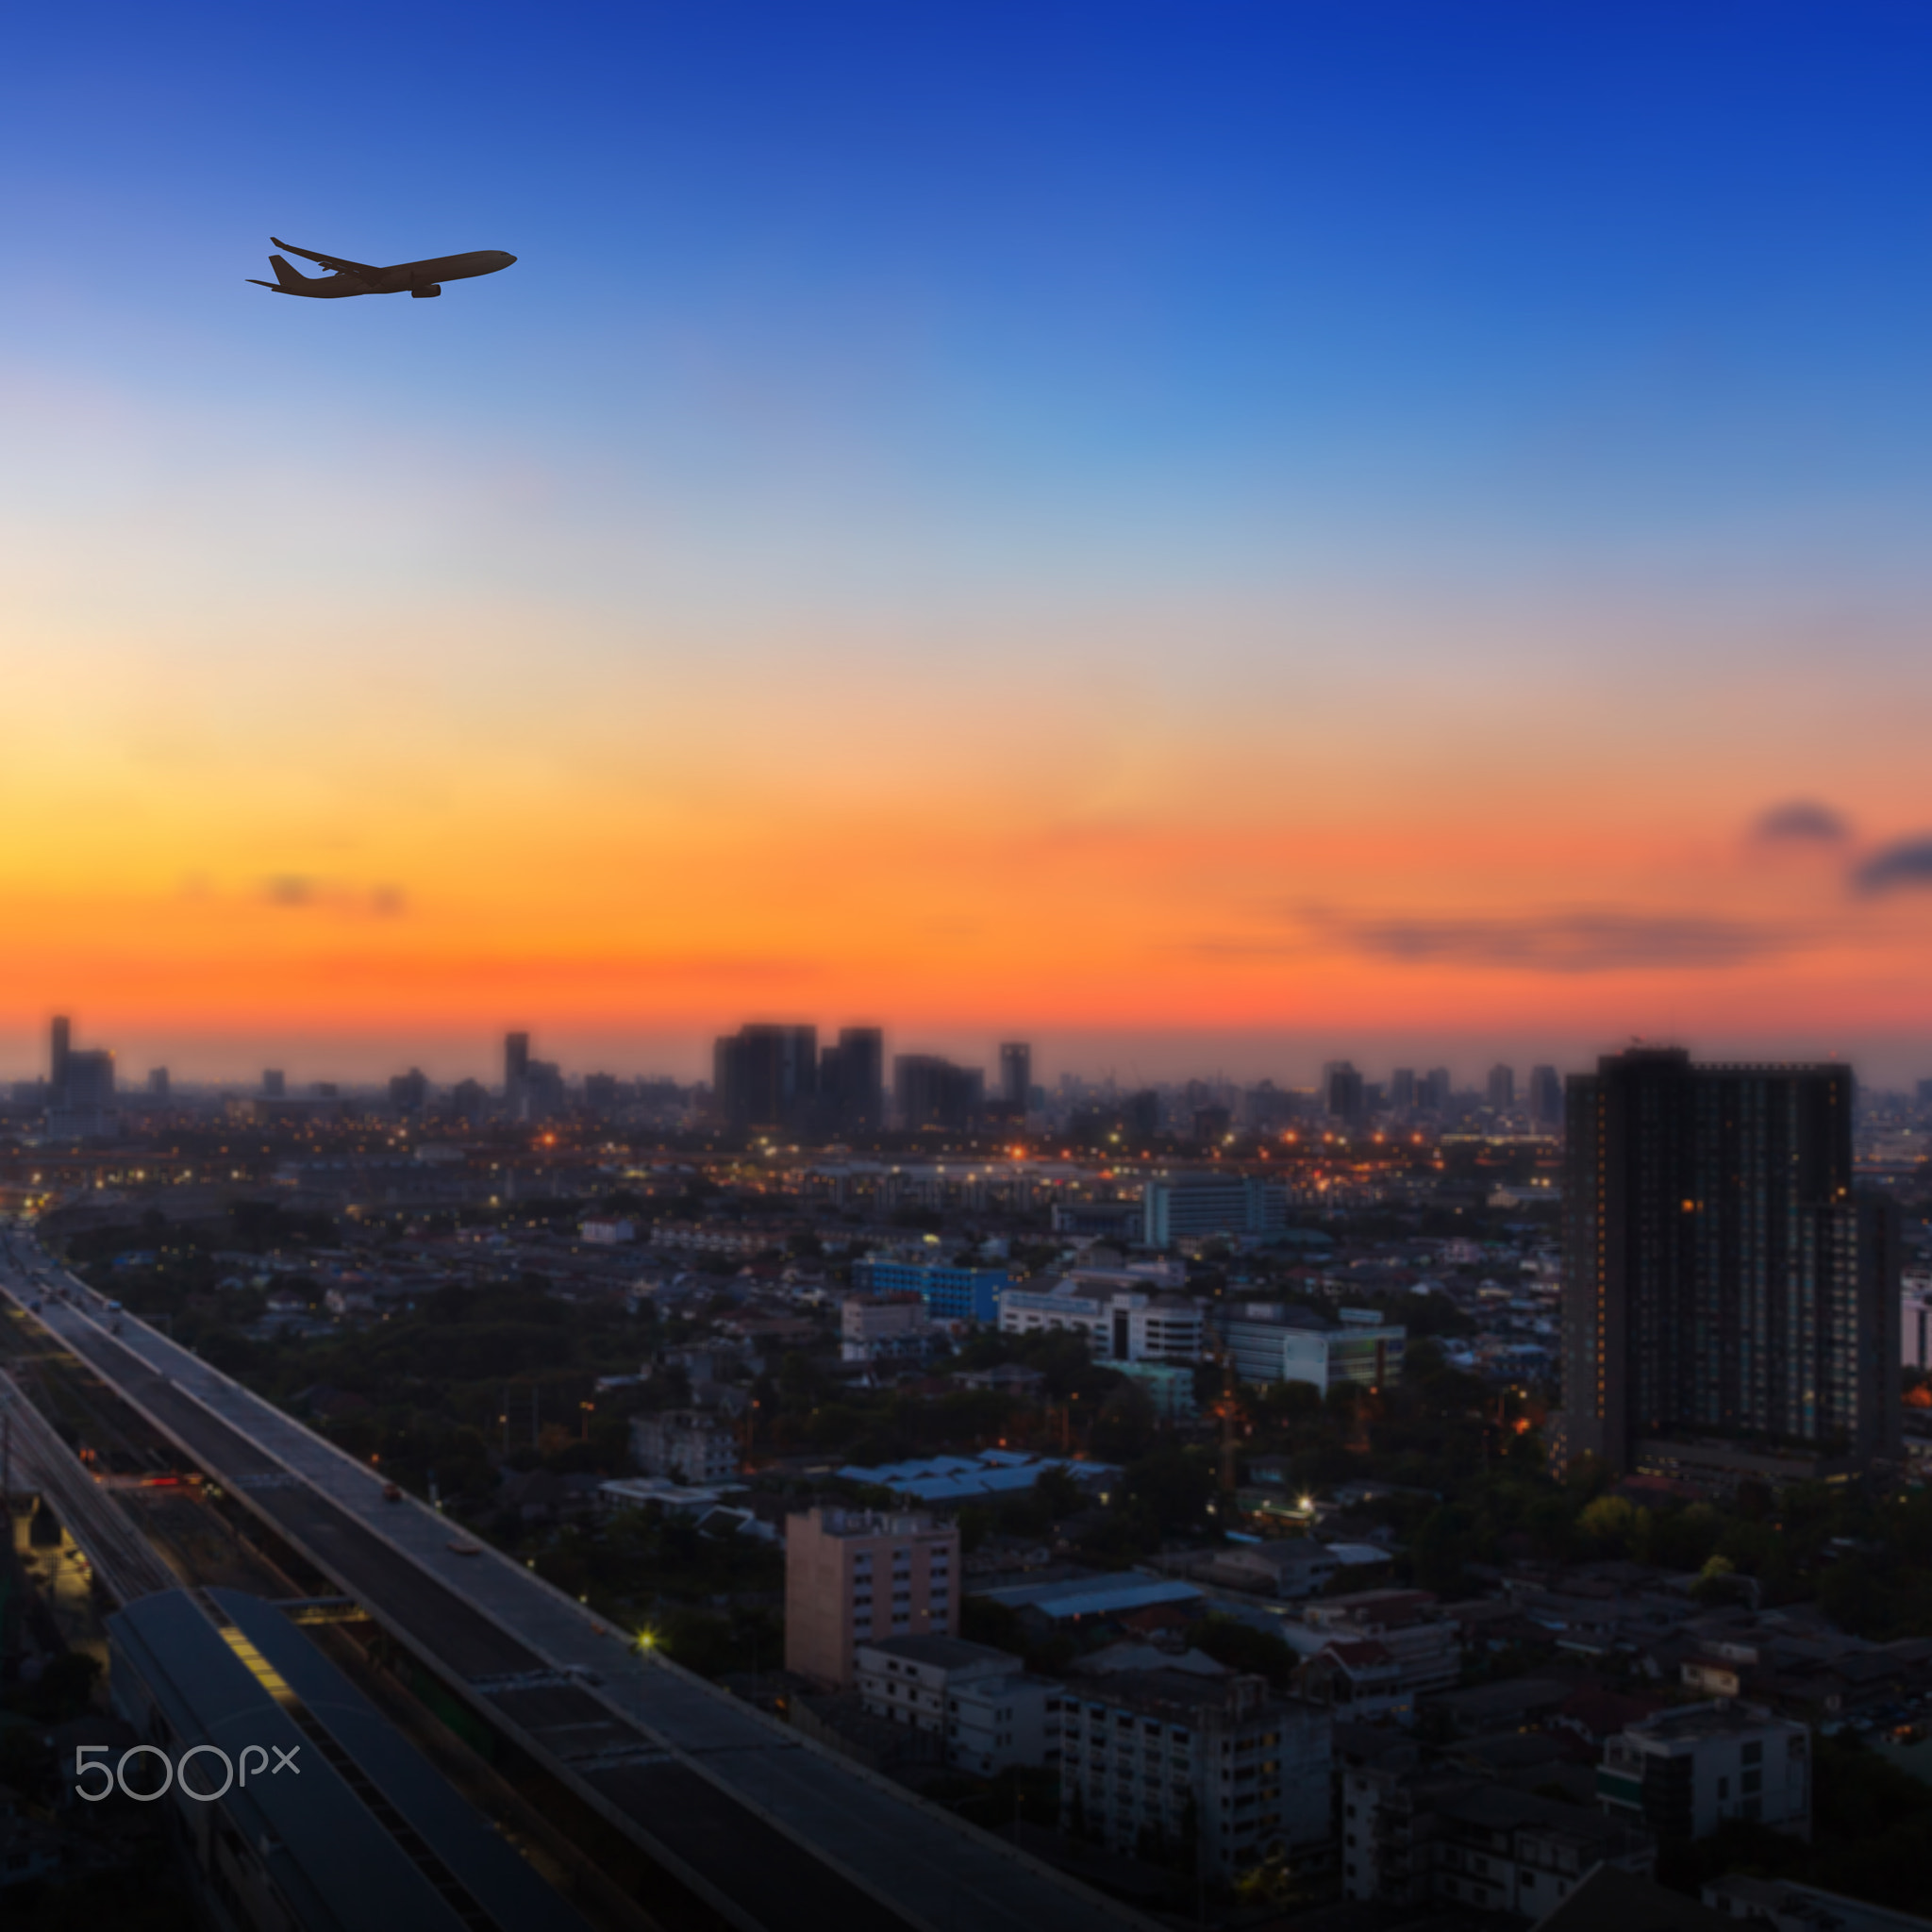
1616,1526
1126,1425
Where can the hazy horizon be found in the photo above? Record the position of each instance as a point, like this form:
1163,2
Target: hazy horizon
1289,1059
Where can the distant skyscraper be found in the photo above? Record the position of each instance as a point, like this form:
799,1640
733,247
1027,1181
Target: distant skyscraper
1401,1089
1546,1097
158,1085
852,1082
62,1045
1016,1075
1503,1088
274,1083
1435,1090
1141,1115
408,1094
1726,1298
929,1091
80,1091
516,1065
766,1077
1343,1087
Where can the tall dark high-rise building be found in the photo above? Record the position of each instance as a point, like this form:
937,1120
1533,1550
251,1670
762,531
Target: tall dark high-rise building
158,1085
61,1049
1545,1097
408,1094
766,1077
1342,1085
1729,1305
1501,1088
516,1064
929,1091
274,1083
1401,1089
852,1082
1016,1076
80,1089
1436,1092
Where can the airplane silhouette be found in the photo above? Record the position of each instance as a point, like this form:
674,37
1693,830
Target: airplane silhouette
359,278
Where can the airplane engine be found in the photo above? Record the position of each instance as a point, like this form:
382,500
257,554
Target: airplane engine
434,288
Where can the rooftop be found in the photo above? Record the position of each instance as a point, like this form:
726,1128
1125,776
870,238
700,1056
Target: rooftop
1613,1900
869,1523
942,1653
1184,1693
1499,1808
1094,1596
1720,1718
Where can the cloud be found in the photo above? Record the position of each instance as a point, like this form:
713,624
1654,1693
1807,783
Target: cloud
303,891
1904,863
1585,941
1801,820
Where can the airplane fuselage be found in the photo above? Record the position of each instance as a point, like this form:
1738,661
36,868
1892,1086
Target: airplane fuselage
403,277
406,275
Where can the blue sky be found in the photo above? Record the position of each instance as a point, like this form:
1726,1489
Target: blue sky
1250,281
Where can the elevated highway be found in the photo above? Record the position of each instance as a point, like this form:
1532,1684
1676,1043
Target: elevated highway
772,1832
39,1460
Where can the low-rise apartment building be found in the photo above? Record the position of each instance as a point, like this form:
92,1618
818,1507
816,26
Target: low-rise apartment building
852,1575
978,1701
1413,1836
1215,1765
1686,1771
895,1329
688,1445
1373,1653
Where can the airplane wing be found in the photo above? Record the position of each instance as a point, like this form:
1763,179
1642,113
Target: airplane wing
334,261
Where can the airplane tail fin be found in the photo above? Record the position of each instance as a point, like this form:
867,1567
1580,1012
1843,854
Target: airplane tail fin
287,276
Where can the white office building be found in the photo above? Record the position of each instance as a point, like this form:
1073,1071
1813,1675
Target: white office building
980,1701
1273,1343
1121,1324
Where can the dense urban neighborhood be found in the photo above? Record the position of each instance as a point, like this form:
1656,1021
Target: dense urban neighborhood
1195,1492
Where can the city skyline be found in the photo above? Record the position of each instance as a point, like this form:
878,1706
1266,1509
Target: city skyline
1404,1077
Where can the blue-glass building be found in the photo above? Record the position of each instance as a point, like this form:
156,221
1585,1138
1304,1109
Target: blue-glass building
950,1294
